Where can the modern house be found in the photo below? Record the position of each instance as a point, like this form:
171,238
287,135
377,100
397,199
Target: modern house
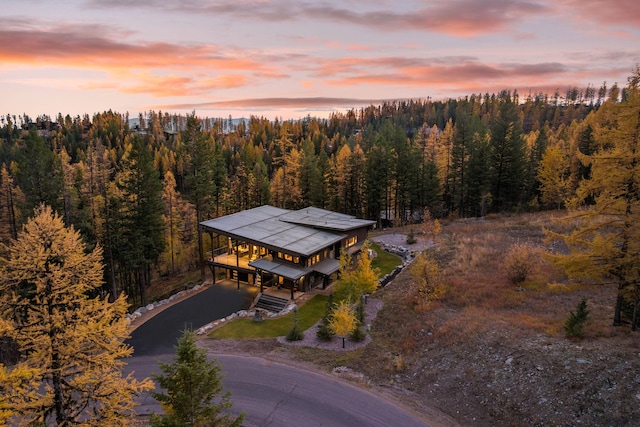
295,250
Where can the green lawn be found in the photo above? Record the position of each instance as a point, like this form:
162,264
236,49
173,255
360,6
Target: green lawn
308,315
384,262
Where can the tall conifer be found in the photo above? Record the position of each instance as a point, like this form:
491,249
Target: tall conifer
70,336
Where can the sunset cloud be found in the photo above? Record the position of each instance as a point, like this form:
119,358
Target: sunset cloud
304,55
173,85
611,13
462,18
85,47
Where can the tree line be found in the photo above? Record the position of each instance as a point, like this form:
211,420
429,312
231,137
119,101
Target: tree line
138,188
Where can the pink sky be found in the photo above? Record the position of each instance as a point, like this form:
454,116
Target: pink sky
289,58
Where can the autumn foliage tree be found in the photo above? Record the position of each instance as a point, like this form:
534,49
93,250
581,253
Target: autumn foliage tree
69,335
343,320
605,246
430,286
14,383
553,174
355,282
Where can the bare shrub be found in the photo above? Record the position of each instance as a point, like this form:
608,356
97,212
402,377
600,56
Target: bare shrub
520,261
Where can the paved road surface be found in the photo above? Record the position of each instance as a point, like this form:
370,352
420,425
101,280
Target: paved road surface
159,334
273,394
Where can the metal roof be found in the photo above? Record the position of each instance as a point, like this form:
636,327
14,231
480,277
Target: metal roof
303,232
289,271
321,218
327,266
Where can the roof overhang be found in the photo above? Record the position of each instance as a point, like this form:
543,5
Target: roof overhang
327,266
285,270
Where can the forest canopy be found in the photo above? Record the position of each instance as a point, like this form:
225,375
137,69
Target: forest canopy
139,186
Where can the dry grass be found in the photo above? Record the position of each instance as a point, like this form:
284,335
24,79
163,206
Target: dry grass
480,295
481,316
479,284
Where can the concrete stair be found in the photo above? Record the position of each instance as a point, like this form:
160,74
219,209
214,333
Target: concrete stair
271,303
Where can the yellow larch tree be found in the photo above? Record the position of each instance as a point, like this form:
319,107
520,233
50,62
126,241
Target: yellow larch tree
15,384
605,246
355,282
343,320
554,176
69,335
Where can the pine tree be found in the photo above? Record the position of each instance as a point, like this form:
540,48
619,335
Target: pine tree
9,197
341,176
38,174
174,218
507,154
71,338
310,176
324,332
141,208
573,326
553,175
377,181
295,334
193,390
202,174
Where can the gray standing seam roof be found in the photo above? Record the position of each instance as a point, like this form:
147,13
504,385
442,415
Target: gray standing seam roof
322,218
302,232
290,272
327,266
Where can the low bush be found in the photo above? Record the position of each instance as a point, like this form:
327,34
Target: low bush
520,261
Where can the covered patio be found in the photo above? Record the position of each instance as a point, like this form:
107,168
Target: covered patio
287,276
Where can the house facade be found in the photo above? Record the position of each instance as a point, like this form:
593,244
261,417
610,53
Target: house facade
295,250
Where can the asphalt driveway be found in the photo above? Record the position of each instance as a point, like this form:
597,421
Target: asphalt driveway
159,334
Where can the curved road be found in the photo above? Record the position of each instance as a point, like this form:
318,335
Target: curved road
271,394
274,394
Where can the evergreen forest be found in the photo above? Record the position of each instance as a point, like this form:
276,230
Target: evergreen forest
138,187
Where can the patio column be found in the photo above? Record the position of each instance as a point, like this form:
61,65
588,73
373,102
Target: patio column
261,280
213,272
